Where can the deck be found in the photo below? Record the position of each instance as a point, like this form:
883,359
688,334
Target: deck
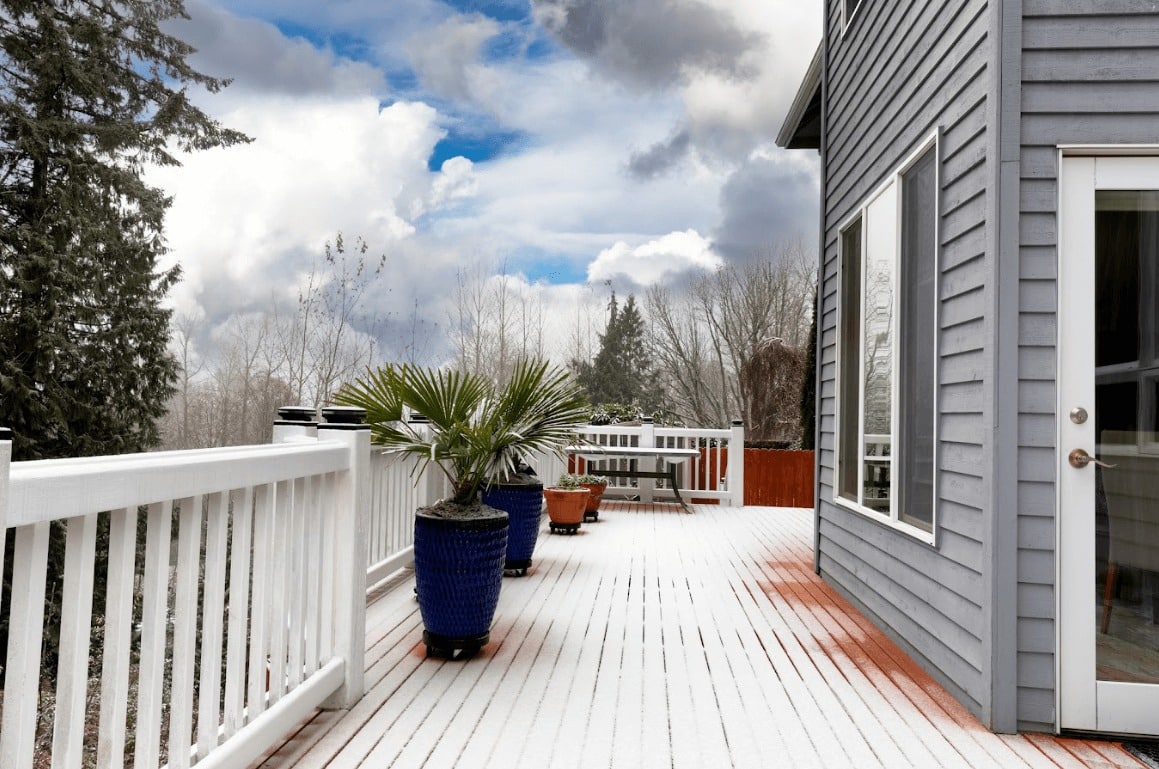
656,638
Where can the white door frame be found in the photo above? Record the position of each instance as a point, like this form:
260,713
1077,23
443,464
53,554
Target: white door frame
1083,702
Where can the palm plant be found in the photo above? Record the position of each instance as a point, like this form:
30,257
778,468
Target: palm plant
477,432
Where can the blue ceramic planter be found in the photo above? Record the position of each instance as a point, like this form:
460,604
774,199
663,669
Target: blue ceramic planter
523,503
458,573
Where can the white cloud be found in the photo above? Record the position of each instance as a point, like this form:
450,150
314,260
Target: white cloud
247,221
446,57
732,115
656,260
267,61
567,193
456,181
242,216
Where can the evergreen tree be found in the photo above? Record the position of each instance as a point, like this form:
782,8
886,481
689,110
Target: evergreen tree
622,371
90,92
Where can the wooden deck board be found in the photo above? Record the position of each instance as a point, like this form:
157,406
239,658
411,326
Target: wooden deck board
657,638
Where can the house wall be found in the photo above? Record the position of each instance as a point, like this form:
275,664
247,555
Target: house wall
1087,77
901,69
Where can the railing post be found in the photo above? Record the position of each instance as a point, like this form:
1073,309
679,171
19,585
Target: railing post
294,423
5,465
647,440
25,633
351,511
736,464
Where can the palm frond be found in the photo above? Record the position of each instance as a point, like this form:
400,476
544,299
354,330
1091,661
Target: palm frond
475,434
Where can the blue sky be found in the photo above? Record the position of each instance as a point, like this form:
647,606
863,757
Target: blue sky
569,143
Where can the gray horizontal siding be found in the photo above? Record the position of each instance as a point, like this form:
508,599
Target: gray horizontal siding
1090,74
902,69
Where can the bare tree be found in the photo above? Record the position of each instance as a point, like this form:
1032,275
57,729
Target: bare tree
327,339
773,376
261,361
496,320
587,325
248,335
696,386
707,336
228,397
175,427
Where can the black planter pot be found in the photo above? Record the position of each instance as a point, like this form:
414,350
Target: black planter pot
523,503
458,573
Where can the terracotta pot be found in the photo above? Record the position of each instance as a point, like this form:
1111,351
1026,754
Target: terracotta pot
595,494
566,508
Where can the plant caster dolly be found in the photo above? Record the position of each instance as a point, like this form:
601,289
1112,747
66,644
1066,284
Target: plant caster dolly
516,568
454,648
592,516
563,528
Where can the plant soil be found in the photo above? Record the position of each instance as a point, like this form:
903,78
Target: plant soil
451,510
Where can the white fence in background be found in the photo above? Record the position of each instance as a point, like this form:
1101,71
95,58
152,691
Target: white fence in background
715,473
232,605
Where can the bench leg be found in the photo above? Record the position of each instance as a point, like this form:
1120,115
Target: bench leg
672,484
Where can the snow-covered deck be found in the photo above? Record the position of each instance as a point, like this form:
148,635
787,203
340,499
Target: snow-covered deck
657,638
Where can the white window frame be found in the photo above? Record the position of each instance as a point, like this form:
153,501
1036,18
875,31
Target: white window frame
891,186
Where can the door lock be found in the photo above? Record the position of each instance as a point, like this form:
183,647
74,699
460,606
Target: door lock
1079,458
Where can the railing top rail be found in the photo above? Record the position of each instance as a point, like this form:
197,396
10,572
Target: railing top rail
695,432
689,432
53,489
610,429
595,452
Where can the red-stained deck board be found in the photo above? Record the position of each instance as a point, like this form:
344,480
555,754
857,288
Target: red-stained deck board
658,638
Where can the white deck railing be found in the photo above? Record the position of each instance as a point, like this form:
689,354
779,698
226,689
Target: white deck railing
395,494
232,608
232,605
716,473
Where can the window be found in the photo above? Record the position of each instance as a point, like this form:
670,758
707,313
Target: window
887,350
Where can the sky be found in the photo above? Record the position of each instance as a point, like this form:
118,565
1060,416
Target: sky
579,146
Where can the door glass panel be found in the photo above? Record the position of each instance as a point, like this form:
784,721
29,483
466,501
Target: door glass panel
1127,494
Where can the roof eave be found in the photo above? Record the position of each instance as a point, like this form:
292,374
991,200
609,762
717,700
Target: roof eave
802,126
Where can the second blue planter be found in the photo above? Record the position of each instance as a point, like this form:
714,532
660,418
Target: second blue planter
523,503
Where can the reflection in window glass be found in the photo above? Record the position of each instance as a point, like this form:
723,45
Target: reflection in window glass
878,347
847,460
1127,496
917,314
1118,229
887,350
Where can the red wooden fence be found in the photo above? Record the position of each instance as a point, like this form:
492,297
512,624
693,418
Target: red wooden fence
777,478
772,477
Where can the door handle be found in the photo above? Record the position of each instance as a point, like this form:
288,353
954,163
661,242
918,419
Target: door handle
1079,458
